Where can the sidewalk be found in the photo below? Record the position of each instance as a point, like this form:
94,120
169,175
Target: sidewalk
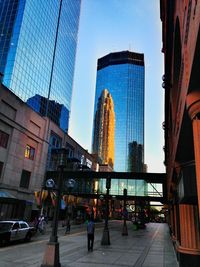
150,247
61,229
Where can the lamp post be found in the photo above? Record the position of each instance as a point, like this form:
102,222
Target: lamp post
106,237
124,230
113,205
51,256
69,184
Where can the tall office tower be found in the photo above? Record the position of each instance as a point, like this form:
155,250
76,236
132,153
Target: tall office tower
122,73
38,42
104,128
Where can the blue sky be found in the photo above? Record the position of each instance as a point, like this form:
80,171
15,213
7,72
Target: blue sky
110,26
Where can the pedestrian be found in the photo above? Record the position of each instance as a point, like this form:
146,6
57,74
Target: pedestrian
68,226
35,223
41,224
90,234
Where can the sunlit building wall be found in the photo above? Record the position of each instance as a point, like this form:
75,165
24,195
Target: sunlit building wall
38,42
104,129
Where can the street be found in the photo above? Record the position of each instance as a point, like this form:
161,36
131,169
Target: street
150,247
31,254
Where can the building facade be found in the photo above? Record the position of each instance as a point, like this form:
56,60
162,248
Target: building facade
181,81
38,42
122,74
104,129
26,140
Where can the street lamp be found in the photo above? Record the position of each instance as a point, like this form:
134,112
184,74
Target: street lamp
113,205
51,256
69,184
106,237
125,213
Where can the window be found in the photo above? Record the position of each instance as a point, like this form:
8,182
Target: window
29,152
1,168
15,226
70,150
3,139
55,140
25,179
23,225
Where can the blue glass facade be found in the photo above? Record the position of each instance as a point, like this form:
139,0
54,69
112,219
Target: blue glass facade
38,42
122,74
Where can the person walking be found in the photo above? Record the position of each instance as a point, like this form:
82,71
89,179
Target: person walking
68,226
41,224
90,234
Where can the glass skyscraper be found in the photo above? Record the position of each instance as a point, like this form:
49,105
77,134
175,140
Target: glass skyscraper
38,42
122,74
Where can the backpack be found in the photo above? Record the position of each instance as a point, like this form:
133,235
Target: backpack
90,228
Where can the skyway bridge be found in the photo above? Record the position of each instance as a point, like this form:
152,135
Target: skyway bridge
90,184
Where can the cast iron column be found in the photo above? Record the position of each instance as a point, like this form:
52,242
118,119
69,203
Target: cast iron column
106,237
51,256
124,230
193,107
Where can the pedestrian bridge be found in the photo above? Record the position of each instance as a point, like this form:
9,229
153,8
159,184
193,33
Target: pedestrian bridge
90,184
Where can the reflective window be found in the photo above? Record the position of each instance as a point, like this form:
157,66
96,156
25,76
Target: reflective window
125,82
27,60
55,142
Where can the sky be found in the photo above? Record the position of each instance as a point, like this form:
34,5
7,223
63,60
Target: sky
111,26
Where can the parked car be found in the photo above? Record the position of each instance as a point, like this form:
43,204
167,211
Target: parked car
15,230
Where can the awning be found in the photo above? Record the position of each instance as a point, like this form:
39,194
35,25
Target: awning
5,194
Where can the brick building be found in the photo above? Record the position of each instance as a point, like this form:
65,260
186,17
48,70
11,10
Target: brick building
181,82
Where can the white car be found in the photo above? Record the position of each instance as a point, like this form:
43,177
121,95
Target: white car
15,230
